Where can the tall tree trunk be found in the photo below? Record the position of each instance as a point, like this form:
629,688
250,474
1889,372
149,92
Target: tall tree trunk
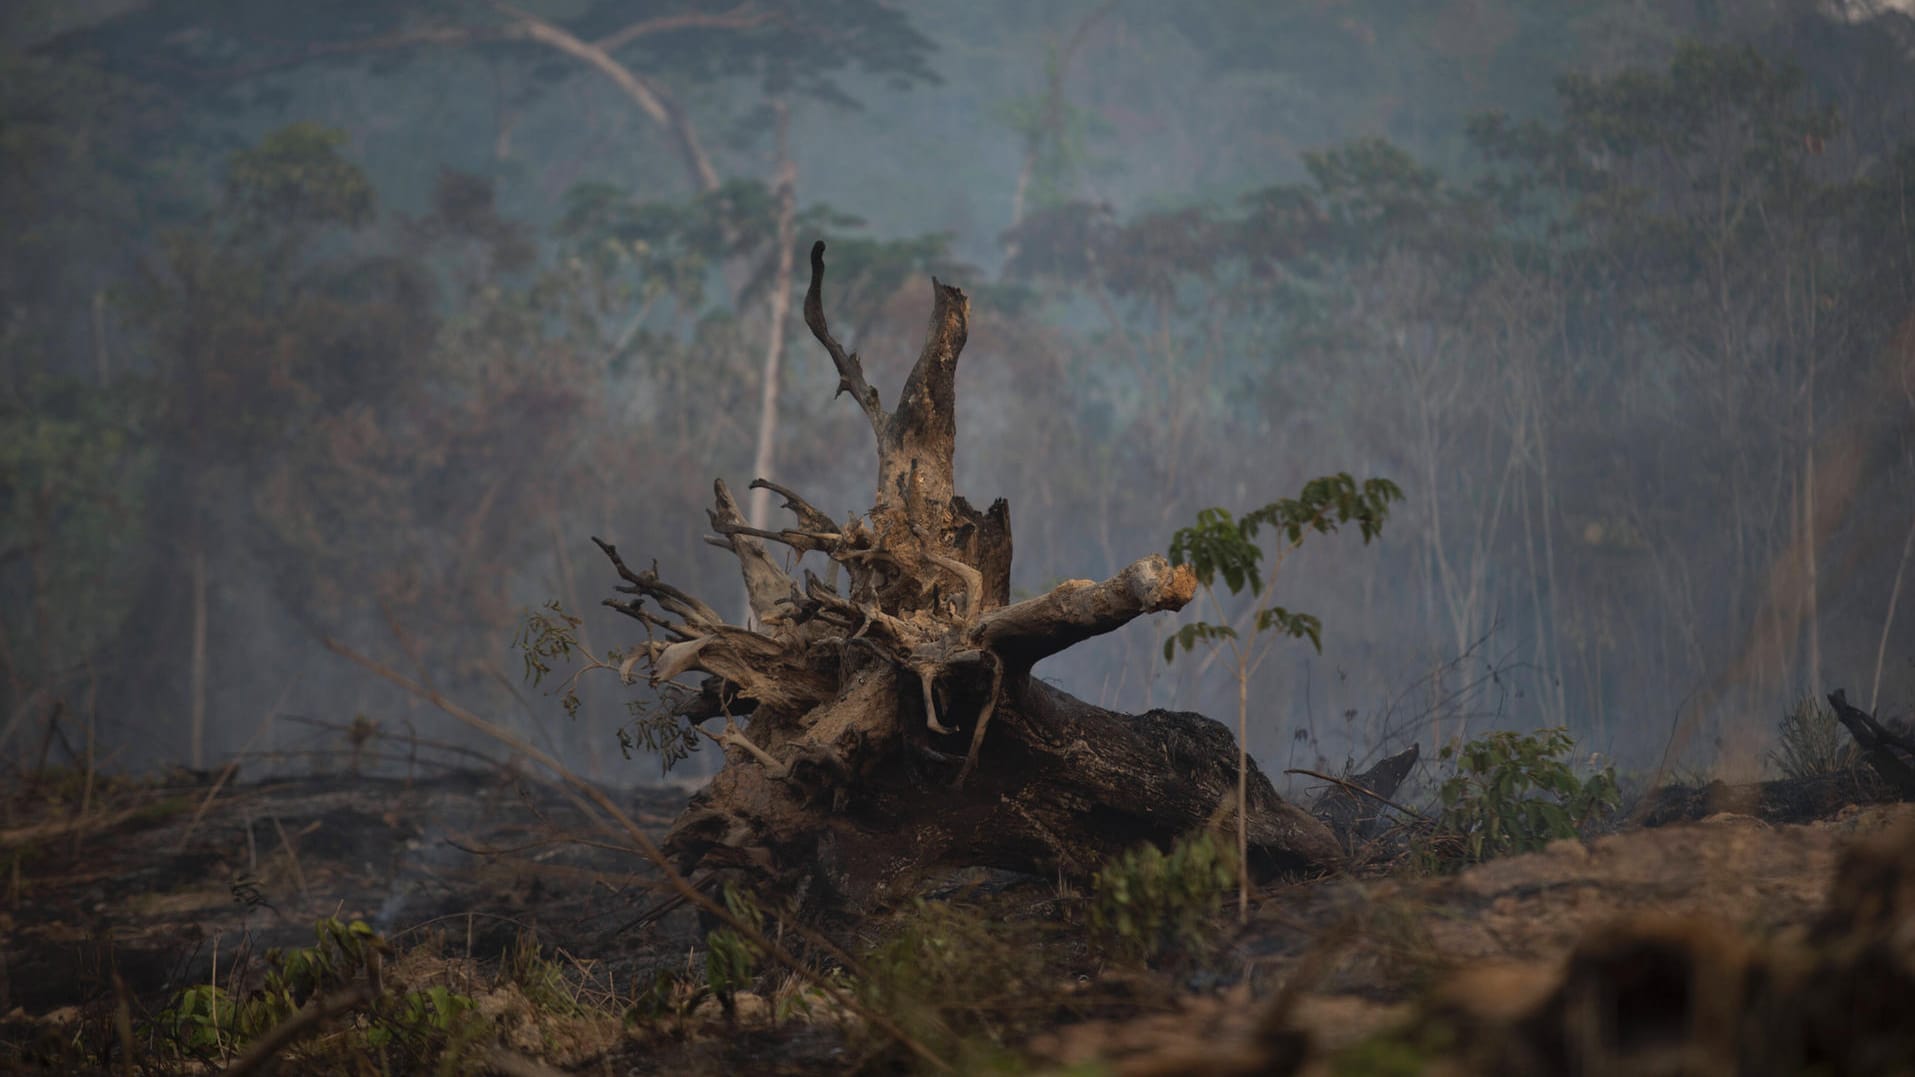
787,184
650,98
1888,622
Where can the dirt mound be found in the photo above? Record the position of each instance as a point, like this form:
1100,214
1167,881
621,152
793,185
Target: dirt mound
1720,947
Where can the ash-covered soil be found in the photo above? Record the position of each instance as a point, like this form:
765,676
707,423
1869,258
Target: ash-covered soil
156,887
142,895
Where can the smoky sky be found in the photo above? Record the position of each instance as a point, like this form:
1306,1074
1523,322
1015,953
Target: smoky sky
1659,513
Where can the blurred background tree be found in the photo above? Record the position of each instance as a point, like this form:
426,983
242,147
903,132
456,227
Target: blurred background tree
354,320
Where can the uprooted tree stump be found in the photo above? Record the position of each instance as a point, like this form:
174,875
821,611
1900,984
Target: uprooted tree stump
882,720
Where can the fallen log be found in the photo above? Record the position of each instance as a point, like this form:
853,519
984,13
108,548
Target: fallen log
878,730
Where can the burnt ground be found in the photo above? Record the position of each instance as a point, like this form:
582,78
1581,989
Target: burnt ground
160,877
118,897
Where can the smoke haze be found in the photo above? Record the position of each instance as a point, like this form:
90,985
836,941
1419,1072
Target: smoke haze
357,321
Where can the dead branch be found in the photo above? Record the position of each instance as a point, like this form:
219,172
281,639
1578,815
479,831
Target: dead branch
742,17
802,541
983,721
893,629
731,737
693,611
767,587
1076,610
1350,816
850,370
927,676
206,802
1353,787
300,1025
651,99
812,519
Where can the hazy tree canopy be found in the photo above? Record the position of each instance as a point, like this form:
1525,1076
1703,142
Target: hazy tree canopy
350,320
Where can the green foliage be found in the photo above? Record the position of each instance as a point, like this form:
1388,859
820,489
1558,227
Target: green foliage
1220,546
1513,793
1188,636
432,1029
545,636
1147,903
208,1017
656,728
297,176
731,960
549,635
1811,741
544,982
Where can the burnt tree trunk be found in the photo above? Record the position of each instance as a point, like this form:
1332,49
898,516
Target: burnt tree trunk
890,725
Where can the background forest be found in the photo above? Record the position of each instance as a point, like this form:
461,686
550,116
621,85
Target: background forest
355,320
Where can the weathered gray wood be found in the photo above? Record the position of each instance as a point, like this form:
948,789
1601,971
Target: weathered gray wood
891,726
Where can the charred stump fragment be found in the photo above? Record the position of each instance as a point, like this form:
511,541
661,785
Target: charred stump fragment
881,720
1353,806
1883,747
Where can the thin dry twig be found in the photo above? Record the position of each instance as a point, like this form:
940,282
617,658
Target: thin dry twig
299,1025
225,774
292,858
1355,788
808,515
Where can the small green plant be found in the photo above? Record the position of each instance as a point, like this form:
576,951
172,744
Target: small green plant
1513,793
209,1018
1221,547
432,1029
1148,903
731,962
433,1024
1812,742
545,983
